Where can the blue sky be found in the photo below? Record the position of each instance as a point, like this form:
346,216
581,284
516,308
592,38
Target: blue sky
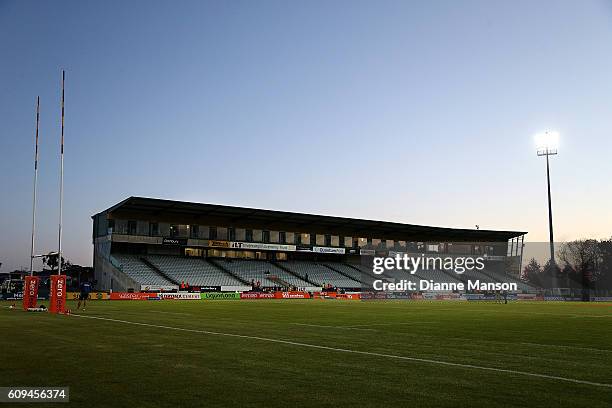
418,112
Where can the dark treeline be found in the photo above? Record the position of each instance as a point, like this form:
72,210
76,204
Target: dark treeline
581,265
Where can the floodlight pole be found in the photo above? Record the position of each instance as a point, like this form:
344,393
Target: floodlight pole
550,218
35,183
550,152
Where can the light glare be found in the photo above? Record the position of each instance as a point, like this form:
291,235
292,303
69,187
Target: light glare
548,140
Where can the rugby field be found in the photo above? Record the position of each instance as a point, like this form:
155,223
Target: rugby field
315,353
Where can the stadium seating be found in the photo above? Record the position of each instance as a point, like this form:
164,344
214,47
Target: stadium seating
321,274
262,271
352,272
522,286
438,276
195,271
201,272
139,271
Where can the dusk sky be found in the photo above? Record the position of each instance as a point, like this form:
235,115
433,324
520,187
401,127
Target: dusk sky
417,112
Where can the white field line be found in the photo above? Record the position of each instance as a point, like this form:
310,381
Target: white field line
451,338
366,353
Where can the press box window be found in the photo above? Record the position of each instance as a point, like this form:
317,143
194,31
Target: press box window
195,231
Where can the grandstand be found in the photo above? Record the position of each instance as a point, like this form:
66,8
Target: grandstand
135,268
267,273
321,274
195,271
142,243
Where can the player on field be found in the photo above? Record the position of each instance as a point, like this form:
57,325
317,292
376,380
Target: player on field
85,290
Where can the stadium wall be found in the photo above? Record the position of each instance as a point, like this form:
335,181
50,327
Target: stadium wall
107,275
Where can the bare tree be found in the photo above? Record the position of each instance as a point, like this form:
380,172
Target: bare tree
583,256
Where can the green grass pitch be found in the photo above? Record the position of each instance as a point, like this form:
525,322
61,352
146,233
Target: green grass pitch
315,353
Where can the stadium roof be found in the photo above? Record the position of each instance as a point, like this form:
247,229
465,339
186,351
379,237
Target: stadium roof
223,215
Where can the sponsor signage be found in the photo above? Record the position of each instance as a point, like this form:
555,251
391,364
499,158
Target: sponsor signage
174,241
57,300
220,295
303,248
367,252
328,250
257,295
275,295
92,295
292,295
261,246
132,296
210,289
155,288
180,296
30,292
349,296
13,296
218,244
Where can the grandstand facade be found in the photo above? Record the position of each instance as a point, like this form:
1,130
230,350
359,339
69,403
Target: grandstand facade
145,244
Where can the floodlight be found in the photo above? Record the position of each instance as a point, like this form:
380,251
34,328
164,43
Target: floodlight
547,143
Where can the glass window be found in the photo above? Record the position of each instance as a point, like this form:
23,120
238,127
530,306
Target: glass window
240,234
154,229
174,230
362,242
231,233
304,239
257,235
335,240
460,249
433,248
212,233
194,252
348,242
203,231
290,238
265,236
195,231
249,235
131,227
222,233
320,240
216,253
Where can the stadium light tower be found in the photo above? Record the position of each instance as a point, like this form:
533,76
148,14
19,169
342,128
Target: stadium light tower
547,144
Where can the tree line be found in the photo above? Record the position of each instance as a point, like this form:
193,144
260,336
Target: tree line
583,265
